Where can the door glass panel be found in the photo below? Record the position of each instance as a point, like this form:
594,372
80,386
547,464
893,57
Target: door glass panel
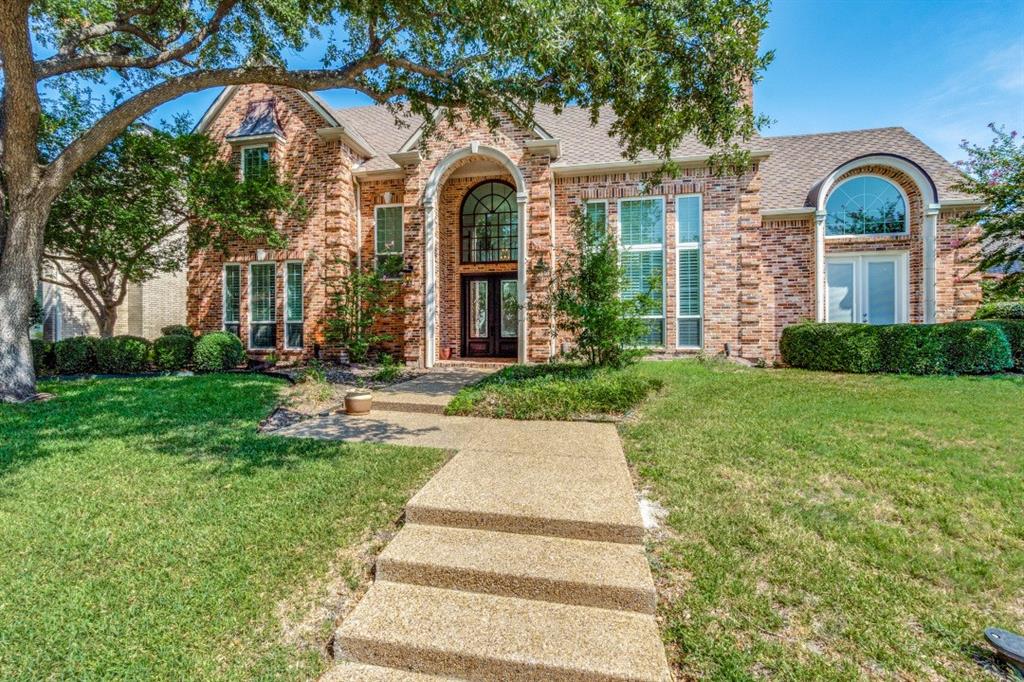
509,305
478,311
881,294
840,292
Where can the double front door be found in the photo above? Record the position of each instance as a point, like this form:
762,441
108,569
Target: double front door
489,319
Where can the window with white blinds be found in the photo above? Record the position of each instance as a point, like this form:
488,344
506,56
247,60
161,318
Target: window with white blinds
689,272
293,305
641,242
262,306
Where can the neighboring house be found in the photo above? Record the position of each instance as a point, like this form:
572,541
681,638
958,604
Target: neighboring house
852,226
146,309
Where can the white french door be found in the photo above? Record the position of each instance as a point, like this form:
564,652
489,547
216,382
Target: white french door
869,288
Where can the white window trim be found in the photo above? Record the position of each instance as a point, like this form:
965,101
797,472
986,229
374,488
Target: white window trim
273,320
376,222
302,298
241,165
870,237
648,247
858,259
603,202
224,296
691,246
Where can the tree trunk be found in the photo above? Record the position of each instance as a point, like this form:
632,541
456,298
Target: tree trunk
107,321
19,261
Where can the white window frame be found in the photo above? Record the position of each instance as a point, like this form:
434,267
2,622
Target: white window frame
697,246
224,296
648,247
241,164
302,299
273,320
603,202
859,261
376,223
863,237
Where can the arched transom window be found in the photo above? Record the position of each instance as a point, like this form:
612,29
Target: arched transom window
866,205
489,224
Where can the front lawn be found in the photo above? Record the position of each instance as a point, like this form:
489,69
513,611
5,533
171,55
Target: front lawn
825,526
147,531
556,391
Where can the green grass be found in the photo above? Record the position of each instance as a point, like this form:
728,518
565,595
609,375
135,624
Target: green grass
827,526
147,531
559,391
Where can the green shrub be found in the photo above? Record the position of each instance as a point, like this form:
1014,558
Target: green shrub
388,371
172,352
178,330
910,349
835,347
1000,310
76,355
1014,331
123,355
954,347
974,347
42,356
216,351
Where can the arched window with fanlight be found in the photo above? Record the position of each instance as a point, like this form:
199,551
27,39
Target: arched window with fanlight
489,224
865,205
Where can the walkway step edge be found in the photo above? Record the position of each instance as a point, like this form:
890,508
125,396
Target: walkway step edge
580,572
487,637
399,406
346,671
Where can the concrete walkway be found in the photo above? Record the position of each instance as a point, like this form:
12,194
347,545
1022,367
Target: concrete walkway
430,392
520,560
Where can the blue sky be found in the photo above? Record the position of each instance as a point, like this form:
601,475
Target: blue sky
943,69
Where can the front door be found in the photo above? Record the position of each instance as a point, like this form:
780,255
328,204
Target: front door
489,319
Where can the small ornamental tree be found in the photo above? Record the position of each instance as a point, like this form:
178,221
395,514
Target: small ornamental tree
586,301
995,175
356,301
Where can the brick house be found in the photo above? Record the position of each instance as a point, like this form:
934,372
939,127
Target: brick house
853,226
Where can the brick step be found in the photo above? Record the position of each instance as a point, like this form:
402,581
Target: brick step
581,497
346,671
583,572
487,637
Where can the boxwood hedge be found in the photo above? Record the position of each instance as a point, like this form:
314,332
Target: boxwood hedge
950,348
1000,310
172,352
216,351
76,355
42,356
1014,331
123,355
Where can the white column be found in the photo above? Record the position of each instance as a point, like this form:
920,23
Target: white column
820,292
430,280
522,261
930,238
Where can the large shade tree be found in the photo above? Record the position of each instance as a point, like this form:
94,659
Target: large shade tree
665,68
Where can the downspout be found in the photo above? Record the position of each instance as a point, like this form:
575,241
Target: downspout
931,216
359,223
554,260
821,296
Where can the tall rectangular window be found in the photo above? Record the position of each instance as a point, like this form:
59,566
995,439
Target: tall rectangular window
255,160
596,213
388,240
232,297
293,305
262,306
641,240
689,272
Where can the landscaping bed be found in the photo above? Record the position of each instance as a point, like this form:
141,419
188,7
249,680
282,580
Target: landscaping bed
149,531
829,526
556,391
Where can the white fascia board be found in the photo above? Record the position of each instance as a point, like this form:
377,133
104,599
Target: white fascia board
960,203
799,210
379,174
409,158
549,146
254,139
639,166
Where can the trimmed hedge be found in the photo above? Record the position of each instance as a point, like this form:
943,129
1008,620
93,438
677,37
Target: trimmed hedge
835,347
1014,331
76,355
954,348
172,352
42,356
123,355
1001,310
217,351
178,330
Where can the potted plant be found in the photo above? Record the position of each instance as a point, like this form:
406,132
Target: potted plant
358,401
446,353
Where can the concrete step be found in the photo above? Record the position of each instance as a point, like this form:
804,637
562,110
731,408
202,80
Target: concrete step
405,406
474,364
572,497
583,572
346,671
487,637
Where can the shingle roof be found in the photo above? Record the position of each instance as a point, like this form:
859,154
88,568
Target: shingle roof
260,119
795,165
798,162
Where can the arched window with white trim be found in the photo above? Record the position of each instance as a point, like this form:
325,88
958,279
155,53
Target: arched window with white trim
866,205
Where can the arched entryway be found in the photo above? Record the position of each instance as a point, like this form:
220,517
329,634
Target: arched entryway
467,270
